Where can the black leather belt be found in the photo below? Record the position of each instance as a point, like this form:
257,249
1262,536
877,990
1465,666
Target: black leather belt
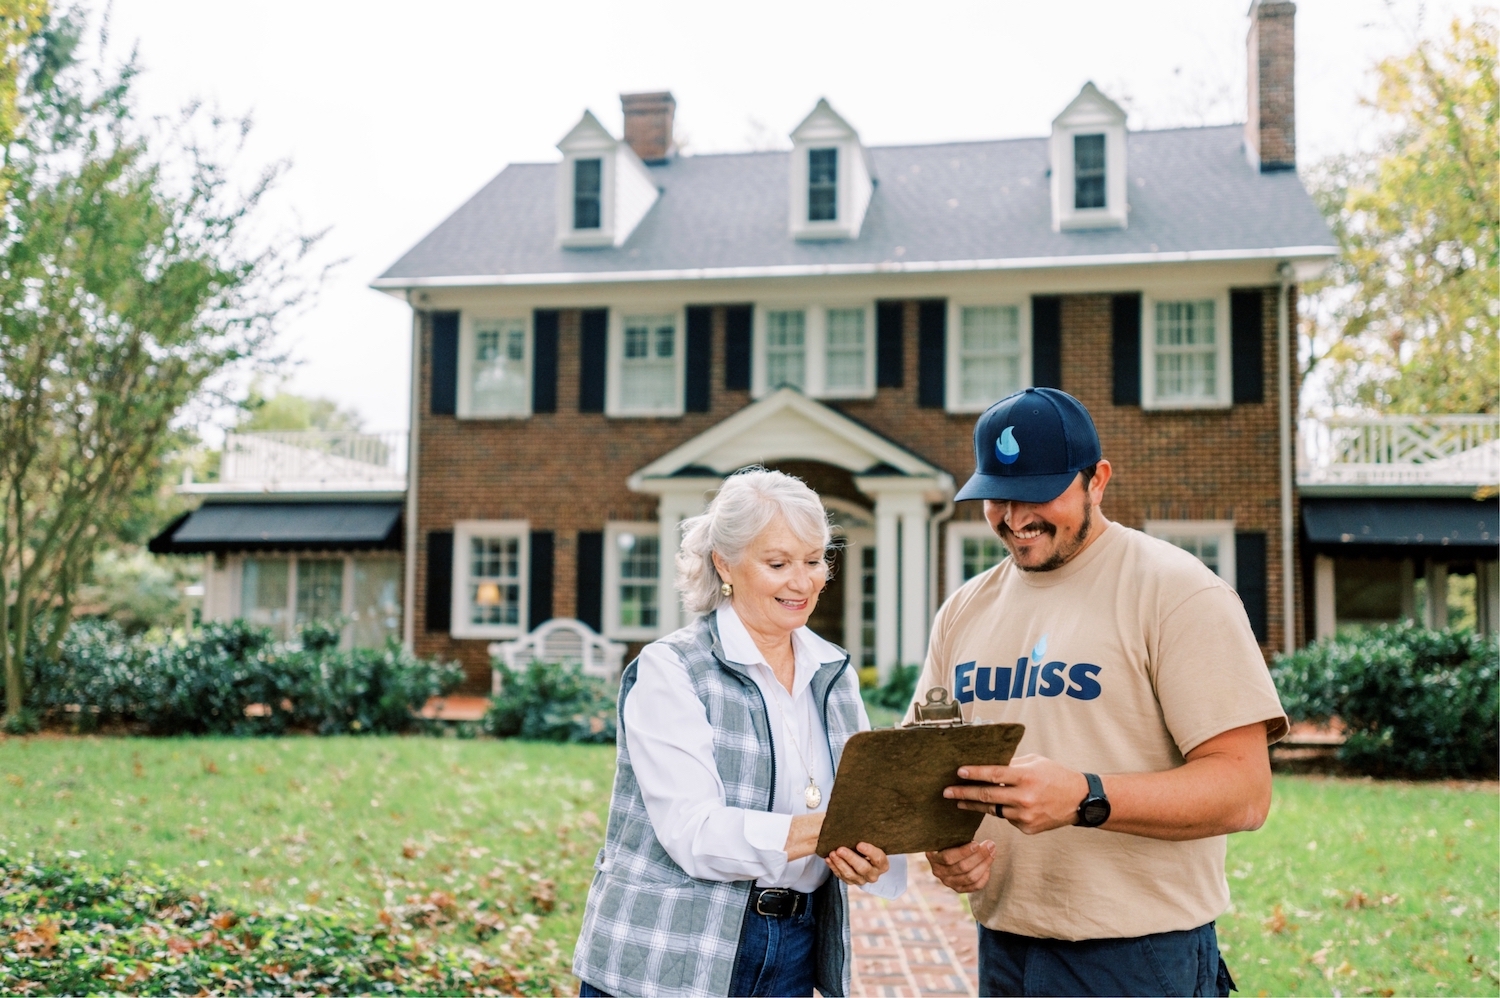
778,902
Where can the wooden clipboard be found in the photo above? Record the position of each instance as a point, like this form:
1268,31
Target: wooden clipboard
889,787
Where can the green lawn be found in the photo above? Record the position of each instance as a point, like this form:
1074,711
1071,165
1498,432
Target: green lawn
1352,886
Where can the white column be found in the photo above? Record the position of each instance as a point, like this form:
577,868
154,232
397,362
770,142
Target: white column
914,616
1324,616
1437,595
887,652
1487,596
902,515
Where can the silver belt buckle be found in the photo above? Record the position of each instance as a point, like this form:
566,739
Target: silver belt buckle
775,892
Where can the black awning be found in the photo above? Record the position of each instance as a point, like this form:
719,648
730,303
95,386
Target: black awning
283,526
1428,526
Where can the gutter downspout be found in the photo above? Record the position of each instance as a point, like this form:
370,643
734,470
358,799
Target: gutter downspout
1284,420
409,600
933,524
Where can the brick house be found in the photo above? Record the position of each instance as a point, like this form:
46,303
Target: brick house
597,341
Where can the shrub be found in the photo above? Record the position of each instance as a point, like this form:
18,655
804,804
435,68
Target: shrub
897,692
552,702
1413,701
72,930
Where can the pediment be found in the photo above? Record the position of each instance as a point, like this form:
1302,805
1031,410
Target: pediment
589,135
824,124
1090,107
786,426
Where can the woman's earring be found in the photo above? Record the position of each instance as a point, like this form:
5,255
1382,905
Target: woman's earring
726,589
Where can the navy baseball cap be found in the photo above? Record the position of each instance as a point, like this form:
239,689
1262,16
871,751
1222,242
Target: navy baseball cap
1028,447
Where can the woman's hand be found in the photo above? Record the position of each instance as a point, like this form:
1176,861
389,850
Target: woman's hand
858,870
802,837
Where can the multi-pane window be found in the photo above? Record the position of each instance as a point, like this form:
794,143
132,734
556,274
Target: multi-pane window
846,349
980,554
989,354
822,185
648,364
1088,171
1210,541
1186,353
495,581
320,590
377,601
498,372
265,593
786,351
866,607
588,186
1206,549
639,561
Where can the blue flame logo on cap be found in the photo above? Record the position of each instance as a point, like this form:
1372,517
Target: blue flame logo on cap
1040,649
1006,447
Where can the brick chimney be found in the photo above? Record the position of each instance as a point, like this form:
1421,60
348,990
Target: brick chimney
648,124
1271,126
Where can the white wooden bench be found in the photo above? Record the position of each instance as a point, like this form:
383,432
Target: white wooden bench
565,640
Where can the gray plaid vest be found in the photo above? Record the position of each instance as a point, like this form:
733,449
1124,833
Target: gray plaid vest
649,928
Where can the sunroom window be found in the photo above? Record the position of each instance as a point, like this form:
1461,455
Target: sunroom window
499,384
265,593
990,354
1186,352
588,187
822,185
648,363
786,350
320,590
846,349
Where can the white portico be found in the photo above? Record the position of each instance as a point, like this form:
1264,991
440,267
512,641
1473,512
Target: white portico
908,496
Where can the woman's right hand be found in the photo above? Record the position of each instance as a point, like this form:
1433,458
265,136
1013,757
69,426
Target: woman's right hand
802,837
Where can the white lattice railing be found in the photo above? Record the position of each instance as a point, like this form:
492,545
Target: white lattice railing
314,460
1400,450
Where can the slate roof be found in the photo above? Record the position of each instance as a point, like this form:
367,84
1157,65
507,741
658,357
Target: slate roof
1191,191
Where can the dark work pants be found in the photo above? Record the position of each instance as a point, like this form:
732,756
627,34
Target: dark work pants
1165,963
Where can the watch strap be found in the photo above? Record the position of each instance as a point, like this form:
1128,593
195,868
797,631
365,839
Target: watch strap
1096,785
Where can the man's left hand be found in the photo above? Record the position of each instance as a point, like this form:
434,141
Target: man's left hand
1033,793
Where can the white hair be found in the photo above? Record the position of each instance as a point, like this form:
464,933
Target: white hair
746,504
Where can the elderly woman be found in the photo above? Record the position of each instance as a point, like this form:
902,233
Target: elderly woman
730,734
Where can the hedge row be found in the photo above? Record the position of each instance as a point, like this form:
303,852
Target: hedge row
231,678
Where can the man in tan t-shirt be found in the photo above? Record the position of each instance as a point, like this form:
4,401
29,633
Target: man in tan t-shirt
1125,657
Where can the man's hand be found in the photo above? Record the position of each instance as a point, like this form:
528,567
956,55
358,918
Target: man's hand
1033,793
964,868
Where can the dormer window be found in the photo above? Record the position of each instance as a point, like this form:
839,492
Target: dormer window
831,180
1088,171
1088,164
588,182
822,185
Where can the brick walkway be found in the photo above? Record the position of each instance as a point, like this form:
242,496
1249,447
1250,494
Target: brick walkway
923,943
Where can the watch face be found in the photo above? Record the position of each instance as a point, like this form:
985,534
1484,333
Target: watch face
1096,812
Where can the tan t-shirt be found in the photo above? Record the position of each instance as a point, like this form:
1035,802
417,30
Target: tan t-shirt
1122,661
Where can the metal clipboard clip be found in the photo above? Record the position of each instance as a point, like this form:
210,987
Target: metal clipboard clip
938,712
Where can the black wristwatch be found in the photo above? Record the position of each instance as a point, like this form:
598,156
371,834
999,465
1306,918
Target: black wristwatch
1094,811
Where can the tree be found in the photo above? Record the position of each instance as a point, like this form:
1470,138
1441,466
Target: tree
285,411
127,282
1409,315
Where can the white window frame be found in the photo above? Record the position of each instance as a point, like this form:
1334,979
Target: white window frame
1223,358
1222,530
612,581
959,531
465,531
954,362
815,343
614,404
467,335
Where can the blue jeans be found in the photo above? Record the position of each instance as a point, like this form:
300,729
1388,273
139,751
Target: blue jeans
775,958
1165,963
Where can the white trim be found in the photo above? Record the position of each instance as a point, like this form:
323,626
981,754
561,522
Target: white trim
1224,355
1090,113
612,582
1223,530
815,348
467,333
954,373
959,531
1309,253
414,441
615,349
465,531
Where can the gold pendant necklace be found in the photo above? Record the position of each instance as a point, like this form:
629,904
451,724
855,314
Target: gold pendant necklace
810,793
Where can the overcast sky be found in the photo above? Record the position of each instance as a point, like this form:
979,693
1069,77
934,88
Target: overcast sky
393,114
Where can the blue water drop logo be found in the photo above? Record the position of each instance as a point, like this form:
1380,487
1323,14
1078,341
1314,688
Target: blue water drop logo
1006,447
1040,649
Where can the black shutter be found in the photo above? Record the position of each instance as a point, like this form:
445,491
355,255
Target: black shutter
539,595
889,319
700,345
1245,346
439,581
737,320
1250,578
590,591
1046,341
544,360
1125,334
444,363
932,353
593,358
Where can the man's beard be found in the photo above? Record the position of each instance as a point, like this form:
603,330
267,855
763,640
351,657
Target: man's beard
1062,555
